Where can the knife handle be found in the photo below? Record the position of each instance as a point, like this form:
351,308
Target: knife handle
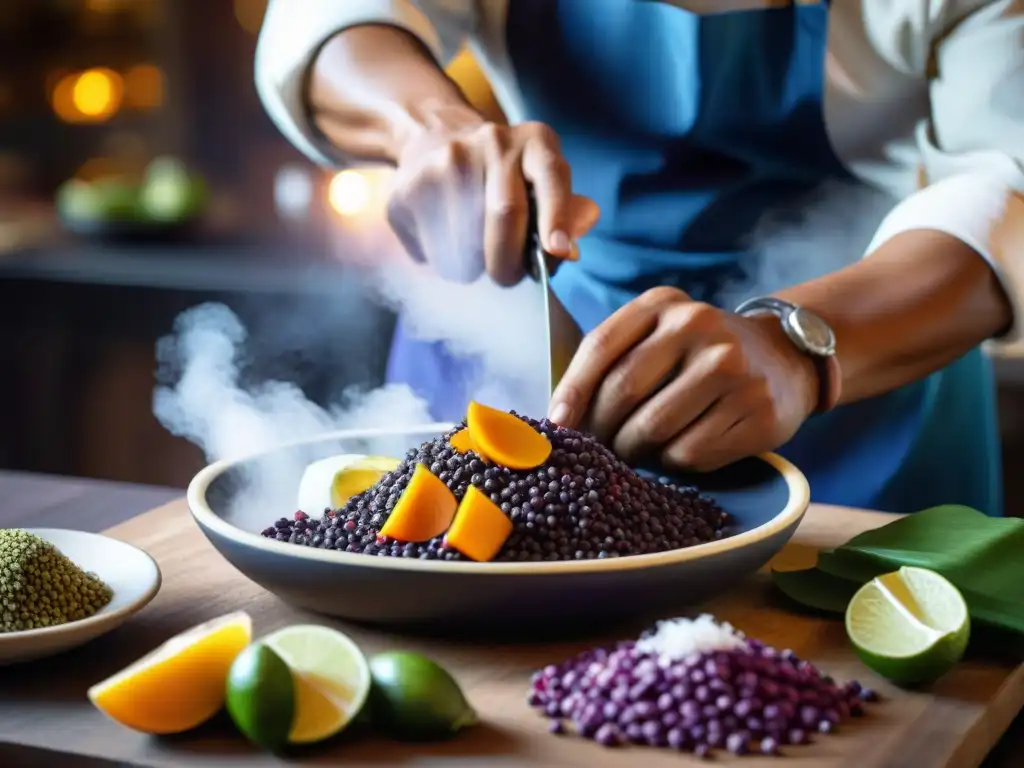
534,251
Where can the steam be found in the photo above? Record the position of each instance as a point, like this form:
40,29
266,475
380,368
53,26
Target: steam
204,394
827,229
500,328
209,406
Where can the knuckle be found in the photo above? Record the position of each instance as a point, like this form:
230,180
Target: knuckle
543,133
727,361
507,210
493,137
653,424
555,166
662,294
623,385
683,453
703,318
598,342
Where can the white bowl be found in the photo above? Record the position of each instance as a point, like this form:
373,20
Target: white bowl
133,576
766,496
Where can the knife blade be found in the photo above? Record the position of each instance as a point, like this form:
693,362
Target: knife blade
563,334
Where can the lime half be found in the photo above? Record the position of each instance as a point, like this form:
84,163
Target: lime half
910,626
260,696
330,675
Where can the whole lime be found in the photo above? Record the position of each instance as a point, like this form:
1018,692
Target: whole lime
261,696
414,698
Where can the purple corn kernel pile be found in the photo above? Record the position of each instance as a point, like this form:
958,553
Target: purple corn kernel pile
694,685
584,503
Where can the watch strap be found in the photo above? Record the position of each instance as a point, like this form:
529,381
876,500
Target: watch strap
830,382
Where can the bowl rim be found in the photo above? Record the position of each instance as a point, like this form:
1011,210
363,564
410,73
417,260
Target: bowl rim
206,518
103,616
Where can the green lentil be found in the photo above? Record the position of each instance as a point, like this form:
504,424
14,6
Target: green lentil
40,587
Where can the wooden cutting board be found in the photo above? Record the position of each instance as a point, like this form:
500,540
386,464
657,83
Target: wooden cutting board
43,705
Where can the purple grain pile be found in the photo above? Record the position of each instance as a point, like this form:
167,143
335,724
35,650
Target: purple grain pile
694,685
584,503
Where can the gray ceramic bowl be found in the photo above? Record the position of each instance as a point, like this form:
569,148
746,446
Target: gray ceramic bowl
233,501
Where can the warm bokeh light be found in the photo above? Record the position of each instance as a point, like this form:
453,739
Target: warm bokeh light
144,87
249,14
349,193
91,96
95,92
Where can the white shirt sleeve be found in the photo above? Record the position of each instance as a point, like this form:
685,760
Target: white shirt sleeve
972,148
294,31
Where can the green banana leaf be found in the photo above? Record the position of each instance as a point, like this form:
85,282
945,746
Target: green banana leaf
983,556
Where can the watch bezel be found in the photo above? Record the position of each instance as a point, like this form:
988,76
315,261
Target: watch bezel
793,325
790,316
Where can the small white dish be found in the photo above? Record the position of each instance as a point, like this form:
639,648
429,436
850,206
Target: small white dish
133,576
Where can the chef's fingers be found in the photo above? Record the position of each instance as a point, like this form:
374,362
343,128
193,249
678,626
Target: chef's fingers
732,429
634,379
584,214
549,173
403,223
506,214
703,380
598,352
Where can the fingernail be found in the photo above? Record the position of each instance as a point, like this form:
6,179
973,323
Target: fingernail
559,242
560,413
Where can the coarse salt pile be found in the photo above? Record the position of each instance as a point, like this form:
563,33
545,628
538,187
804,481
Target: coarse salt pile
694,684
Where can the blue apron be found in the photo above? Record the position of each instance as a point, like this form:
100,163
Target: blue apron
686,130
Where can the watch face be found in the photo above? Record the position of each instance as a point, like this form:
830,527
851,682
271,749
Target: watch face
814,332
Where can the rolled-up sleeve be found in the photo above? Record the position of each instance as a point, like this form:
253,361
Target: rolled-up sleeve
972,147
294,31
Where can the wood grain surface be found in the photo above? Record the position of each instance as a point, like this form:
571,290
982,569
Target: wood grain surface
43,704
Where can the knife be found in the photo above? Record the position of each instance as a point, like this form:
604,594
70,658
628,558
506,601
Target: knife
563,334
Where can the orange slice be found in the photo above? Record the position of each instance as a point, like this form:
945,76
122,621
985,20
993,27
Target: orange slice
424,510
179,685
480,527
505,439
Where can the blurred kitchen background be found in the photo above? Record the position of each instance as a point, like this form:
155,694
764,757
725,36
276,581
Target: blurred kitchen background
139,176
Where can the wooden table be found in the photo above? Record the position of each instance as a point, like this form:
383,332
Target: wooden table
45,719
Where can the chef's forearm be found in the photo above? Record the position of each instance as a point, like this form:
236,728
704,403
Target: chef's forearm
372,87
922,300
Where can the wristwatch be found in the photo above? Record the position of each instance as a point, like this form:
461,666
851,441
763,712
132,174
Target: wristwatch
812,336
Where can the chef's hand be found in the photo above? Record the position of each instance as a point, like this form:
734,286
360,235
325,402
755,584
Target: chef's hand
669,378
460,203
